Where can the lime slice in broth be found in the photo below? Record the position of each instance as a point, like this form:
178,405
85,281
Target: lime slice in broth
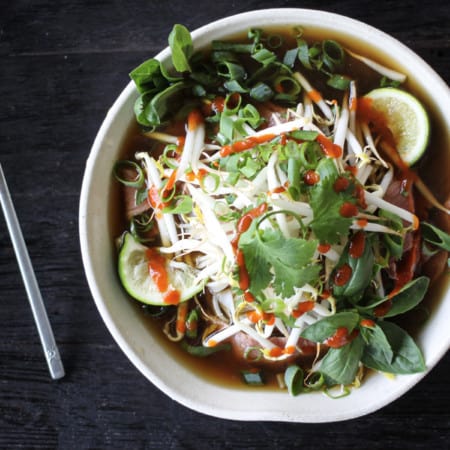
407,120
136,279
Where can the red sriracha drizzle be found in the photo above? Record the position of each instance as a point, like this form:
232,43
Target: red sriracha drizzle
243,225
245,144
357,244
311,177
328,147
342,275
341,337
348,210
158,272
341,184
405,273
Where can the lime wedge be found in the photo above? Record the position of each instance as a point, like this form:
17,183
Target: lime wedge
135,276
407,120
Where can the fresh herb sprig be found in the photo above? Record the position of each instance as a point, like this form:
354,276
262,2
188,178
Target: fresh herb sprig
252,69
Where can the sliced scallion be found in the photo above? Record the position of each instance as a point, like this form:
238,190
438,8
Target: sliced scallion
294,380
333,54
181,204
200,351
122,170
253,377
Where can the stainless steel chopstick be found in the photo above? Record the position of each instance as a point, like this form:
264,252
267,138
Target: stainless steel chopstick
29,279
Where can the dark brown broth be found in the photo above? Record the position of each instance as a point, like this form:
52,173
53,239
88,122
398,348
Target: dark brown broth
222,368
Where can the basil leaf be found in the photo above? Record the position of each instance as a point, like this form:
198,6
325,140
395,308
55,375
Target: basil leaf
340,365
362,273
393,242
435,236
163,103
340,82
324,328
147,75
409,296
407,357
377,342
180,43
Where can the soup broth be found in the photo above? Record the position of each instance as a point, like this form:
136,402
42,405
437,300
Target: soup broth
224,367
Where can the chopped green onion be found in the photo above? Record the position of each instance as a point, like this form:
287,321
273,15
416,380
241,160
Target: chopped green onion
253,377
202,352
167,195
344,391
232,103
230,46
182,204
264,56
261,92
168,160
235,86
333,54
304,135
126,167
294,178
253,354
293,378
435,236
340,82
287,85
251,115
192,324
303,53
231,70
309,154
226,128
314,381
290,57
141,195
275,41
210,182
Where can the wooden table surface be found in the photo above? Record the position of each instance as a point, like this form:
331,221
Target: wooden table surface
62,63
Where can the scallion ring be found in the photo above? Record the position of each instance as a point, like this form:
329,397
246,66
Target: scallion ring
333,54
294,379
125,166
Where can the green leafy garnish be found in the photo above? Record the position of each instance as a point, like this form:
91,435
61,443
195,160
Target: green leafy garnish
396,352
180,43
435,236
340,365
329,225
323,329
272,258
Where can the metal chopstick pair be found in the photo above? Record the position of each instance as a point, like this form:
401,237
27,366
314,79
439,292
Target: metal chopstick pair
51,352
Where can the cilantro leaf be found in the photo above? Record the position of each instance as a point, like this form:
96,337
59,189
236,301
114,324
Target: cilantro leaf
272,258
328,223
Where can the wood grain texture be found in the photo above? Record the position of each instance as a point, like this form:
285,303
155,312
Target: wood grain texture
62,64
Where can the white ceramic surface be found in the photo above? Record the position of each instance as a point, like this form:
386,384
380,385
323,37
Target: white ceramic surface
127,326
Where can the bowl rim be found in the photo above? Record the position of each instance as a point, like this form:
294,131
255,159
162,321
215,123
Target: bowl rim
268,17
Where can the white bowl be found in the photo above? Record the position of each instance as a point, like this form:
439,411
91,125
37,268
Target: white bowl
127,325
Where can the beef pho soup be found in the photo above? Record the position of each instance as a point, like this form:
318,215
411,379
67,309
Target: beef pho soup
275,215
